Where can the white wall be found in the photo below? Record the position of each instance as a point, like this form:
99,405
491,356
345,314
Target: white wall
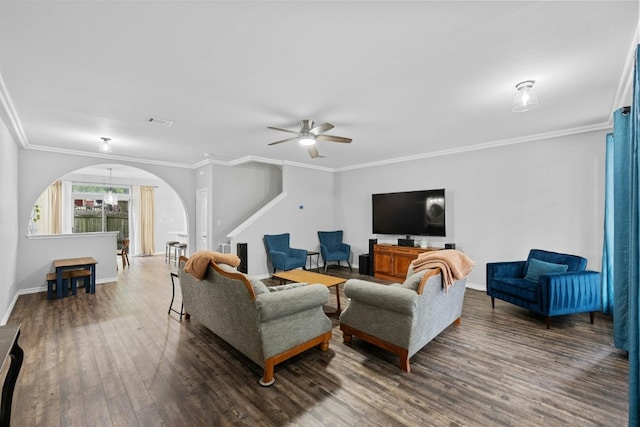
8,222
170,216
306,207
51,166
501,202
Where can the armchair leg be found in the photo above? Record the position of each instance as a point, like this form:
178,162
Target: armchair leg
493,302
592,316
267,378
404,361
548,322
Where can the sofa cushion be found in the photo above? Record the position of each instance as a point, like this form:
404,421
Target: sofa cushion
286,287
521,288
537,267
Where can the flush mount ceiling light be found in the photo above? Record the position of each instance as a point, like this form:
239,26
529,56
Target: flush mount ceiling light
104,145
110,198
526,98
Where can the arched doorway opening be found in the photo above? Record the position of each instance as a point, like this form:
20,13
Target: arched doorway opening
111,197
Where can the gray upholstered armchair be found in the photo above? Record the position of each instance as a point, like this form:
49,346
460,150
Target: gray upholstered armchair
401,318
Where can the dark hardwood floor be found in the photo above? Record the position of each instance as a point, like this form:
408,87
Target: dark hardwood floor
118,358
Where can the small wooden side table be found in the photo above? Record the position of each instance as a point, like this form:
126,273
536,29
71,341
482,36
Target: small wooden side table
9,349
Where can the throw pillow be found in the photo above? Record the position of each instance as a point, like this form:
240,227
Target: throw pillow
413,281
537,267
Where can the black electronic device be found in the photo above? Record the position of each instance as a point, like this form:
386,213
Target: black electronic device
372,243
242,254
420,213
363,265
449,245
406,242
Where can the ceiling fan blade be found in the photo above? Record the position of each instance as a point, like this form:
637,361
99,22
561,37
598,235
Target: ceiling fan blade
324,127
280,129
313,151
333,138
283,140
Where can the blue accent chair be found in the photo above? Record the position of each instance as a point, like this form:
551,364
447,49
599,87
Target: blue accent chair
283,257
547,283
333,249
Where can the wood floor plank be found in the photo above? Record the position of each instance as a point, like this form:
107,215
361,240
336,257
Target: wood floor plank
117,358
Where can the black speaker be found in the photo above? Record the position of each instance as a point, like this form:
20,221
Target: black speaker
372,242
406,242
449,245
242,254
363,265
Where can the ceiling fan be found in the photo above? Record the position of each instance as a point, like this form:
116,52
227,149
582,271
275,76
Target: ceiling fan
309,134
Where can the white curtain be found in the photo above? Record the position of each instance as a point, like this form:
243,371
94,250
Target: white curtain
147,220
49,204
67,208
134,220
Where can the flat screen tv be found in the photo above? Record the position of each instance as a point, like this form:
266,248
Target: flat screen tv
419,213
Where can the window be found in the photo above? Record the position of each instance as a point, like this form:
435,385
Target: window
91,214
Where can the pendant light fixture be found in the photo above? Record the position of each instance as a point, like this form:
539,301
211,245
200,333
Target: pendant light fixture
526,99
110,198
105,147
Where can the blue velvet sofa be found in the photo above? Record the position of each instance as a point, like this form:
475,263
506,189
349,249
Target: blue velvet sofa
547,283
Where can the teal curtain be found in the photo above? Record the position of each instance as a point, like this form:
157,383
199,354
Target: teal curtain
621,256
607,248
619,214
634,250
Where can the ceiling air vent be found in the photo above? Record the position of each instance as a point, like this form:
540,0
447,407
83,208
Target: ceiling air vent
159,121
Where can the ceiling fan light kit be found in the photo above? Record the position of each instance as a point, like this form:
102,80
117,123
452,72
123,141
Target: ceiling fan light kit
307,139
526,98
309,134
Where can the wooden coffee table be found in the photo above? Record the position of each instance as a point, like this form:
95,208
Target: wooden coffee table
304,276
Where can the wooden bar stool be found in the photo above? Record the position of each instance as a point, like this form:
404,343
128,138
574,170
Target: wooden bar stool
167,249
181,250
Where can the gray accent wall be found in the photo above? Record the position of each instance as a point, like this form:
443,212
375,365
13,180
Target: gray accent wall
500,202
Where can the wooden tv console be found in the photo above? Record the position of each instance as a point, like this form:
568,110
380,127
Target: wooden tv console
391,262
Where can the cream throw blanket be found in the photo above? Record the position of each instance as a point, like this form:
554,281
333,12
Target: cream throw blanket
454,264
198,263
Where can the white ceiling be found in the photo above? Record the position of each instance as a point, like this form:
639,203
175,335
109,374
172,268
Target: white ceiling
400,78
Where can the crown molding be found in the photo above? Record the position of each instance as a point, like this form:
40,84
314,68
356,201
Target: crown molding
10,116
484,146
107,156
